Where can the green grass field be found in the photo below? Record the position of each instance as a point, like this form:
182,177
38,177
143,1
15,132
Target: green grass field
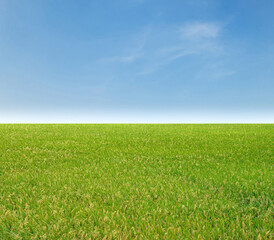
136,181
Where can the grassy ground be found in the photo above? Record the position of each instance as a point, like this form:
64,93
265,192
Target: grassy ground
136,181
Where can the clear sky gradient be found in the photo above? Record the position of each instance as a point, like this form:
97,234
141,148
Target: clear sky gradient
136,61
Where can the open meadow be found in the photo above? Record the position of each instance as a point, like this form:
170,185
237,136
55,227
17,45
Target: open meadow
144,181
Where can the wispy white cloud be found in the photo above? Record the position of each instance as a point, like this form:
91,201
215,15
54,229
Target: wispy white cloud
122,59
129,54
216,70
157,47
192,38
200,30
180,54
222,74
163,60
128,57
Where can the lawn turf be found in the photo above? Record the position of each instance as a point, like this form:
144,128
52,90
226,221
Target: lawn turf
144,181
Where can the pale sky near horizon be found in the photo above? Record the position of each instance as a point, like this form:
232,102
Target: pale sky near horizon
136,61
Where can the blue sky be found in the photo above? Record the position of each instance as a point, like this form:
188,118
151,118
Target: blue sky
136,61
